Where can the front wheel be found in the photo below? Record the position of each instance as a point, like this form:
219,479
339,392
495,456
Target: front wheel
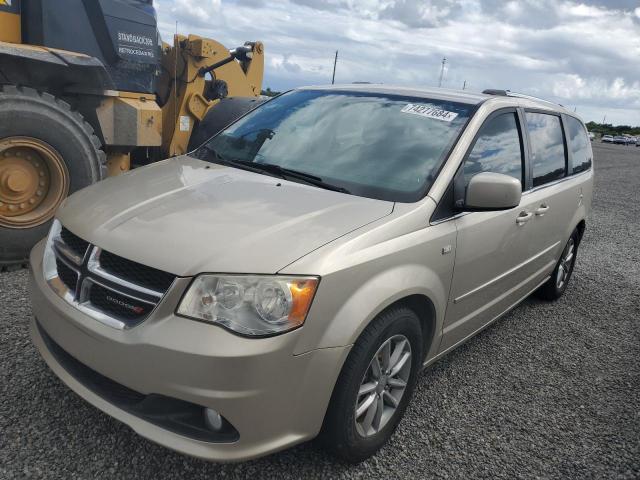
374,387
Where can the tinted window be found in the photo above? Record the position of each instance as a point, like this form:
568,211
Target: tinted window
547,147
579,145
497,149
375,145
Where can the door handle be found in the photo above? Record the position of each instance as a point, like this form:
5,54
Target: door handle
542,209
524,217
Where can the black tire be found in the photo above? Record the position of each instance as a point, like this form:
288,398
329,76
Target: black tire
225,112
339,434
550,290
27,112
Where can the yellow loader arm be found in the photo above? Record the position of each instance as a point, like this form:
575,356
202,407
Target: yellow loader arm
186,95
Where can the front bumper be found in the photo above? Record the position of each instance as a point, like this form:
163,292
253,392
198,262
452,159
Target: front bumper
273,398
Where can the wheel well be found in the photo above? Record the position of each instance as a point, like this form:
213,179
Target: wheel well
581,227
426,311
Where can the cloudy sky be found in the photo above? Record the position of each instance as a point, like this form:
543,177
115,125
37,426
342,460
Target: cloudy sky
584,54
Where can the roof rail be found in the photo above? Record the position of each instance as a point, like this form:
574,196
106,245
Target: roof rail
509,93
492,91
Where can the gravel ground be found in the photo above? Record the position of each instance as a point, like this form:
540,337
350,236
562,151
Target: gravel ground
548,391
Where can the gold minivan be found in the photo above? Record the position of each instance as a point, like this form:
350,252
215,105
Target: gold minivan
292,276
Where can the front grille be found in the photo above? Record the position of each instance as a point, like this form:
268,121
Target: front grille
118,305
74,243
137,273
68,276
114,290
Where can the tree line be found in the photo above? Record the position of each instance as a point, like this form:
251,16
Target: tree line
608,129
269,93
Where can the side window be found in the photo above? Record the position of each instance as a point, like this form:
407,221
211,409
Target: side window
497,149
579,145
547,147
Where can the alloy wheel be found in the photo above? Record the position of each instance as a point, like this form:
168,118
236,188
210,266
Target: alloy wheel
383,385
564,267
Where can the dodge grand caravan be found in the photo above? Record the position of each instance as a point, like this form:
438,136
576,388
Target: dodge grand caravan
292,276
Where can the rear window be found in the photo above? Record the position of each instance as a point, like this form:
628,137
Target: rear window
547,147
579,145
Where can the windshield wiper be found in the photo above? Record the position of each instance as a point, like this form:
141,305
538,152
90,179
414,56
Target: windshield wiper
241,164
287,173
275,170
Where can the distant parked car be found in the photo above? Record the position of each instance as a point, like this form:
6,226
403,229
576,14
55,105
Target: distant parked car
620,140
591,136
638,142
607,138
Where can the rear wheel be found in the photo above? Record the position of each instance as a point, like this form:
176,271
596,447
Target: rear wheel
46,152
557,283
374,387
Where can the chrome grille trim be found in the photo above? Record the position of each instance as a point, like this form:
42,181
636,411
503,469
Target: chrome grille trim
89,273
94,267
61,247
93,281
72,266
85,305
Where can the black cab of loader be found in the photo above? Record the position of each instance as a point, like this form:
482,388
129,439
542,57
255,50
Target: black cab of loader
88,90
122,34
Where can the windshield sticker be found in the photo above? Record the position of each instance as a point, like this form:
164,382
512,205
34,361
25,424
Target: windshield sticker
429,112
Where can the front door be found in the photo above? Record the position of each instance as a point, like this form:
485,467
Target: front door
496,261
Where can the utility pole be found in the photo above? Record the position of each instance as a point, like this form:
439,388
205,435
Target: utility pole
444,61
335,62
464,85
604,120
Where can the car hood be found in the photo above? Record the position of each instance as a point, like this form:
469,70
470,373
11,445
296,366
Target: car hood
187,216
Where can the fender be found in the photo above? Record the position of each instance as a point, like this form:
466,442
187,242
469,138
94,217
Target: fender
51,69
581,212
378,293
361,277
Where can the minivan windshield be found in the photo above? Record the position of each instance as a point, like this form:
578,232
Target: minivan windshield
388,147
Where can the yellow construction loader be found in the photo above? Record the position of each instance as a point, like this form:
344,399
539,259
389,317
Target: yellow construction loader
88,90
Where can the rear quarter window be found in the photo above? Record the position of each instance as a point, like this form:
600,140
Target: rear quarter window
579,145
547,147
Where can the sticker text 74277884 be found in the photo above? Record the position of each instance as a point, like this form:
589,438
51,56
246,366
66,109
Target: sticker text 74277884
429,112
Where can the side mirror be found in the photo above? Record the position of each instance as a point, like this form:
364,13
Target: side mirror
492,191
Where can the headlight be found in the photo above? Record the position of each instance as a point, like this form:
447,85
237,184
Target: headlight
255,305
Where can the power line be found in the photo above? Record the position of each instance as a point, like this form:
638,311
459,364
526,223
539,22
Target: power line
335,62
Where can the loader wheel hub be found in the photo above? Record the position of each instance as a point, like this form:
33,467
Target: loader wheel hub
17,181
33,182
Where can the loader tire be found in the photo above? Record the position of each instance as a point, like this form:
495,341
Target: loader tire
47,151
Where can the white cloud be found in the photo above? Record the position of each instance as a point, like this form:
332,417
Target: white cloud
597,89
579,53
